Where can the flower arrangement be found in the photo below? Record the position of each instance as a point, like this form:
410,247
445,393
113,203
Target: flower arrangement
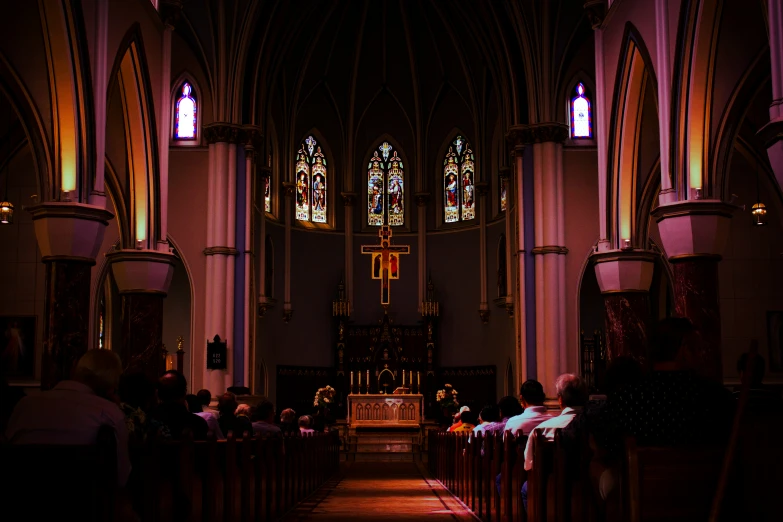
324,397
447,397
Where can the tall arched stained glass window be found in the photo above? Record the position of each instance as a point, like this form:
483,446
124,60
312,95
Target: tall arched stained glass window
385,187
581,114
185,114
311,182
459,178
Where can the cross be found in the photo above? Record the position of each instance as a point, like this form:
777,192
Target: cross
385,260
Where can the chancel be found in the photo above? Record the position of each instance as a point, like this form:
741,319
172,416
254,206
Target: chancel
351,259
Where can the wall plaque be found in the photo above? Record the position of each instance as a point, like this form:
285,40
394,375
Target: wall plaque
216,354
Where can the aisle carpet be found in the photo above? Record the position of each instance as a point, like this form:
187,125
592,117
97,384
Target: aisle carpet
381,491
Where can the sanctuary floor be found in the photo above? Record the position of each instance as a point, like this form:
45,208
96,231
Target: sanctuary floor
381,491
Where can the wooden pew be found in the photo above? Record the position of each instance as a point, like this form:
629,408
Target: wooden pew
54,482
540,480
672,484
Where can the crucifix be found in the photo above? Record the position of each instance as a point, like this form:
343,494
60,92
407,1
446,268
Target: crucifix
385,261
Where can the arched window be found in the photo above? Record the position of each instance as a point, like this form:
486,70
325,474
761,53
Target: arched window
268,186
311,177
459,182
581,114
385,188
185,114
503,194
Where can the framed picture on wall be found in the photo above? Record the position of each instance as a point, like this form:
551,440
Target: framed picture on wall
17,346
775,340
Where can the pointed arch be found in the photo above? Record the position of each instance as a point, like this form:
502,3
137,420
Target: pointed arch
633,71
313,181
458,173
130,75
186,133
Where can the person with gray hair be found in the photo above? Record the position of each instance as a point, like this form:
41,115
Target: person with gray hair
74,410
572,396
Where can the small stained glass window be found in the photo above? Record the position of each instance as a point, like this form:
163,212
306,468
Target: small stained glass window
185,114
581,114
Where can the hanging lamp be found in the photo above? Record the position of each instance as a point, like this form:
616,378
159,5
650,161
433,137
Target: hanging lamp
759,210
6,207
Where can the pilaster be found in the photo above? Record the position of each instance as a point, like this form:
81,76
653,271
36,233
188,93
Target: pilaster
349,201
422,200
482,187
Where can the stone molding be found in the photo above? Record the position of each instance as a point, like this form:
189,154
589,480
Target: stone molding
624,271
252,137
142,271
220,132
537,133
221,251
549,249
771,133
69,231
694,228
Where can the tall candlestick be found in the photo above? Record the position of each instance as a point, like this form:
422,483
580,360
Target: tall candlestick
418,380
360,381
410,380
368,381
403,378
351,380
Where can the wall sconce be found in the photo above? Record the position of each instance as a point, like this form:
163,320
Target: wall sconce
139,244
759,210
697,193
6,213
626,244
66,196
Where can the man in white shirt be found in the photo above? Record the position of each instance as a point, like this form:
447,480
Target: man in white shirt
74,410
531,395
571,396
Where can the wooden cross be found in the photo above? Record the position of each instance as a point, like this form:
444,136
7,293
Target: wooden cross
385,260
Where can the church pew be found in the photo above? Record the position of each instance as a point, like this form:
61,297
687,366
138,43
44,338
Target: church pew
53,482
540,480
672,484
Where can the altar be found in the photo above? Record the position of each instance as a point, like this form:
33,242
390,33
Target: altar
384,410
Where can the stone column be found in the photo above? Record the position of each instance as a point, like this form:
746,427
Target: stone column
548,195
265,302
482,187
349,200
69,236
507,177
220,248
143,278
624,277
422,198
694,235
288,309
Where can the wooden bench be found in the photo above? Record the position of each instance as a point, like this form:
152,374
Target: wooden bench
59,482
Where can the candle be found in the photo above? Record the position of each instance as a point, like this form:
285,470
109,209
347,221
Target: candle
351,379
418,378
360,378
403,378
410,379
368,381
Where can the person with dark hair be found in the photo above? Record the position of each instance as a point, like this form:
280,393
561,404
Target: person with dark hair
468,419
531,395
196,406
263,417
205,396
138,396
173,408
228,420
288,421
489,415
508,407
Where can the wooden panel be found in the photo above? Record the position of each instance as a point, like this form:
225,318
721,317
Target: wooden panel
296,386
476,385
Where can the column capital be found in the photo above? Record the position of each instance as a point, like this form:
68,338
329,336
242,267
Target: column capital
549,249
694,228
537,133
349,198
422,198
596,12
69,231
252,137
142,271
289,188
624,271
221,132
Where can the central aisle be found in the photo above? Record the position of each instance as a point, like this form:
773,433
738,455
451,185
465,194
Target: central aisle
381,491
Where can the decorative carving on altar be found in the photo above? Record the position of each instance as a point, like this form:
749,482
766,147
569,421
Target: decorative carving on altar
380,410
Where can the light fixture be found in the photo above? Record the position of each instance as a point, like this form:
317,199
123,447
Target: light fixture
759,210
6,207
66,196
139,244
697,193
626,244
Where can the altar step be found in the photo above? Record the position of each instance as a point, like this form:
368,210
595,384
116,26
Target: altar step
384,447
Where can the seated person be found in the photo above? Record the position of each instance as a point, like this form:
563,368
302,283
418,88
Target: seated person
489,415
458,419
196,406
263,417
228,420
531,395
305,425
468,421
508,407
139,396
288,421
74,410
173,408
205,396
571,397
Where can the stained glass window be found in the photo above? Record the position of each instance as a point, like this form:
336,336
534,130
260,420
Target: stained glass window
385,187
459,182
268,188
503,193
581,114
185,113
311,180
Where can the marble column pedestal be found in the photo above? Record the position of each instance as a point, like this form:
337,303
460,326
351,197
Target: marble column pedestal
142,333
696,297
66,318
